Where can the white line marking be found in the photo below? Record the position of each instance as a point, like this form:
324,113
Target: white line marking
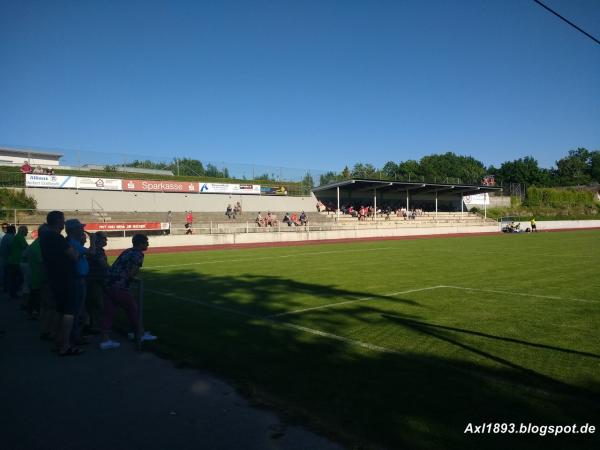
291,255
363,299
320,333
553,297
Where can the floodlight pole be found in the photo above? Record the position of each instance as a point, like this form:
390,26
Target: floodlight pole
338,205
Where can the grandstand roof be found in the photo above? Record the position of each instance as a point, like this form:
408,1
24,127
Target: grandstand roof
22,152
401,186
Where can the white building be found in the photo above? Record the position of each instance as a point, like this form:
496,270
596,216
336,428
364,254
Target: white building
15,157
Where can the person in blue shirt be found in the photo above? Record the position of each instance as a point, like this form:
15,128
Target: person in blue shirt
76,237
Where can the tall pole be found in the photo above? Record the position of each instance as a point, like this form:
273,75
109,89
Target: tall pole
485,206
375,204
407,201
461,204
338,204
436,205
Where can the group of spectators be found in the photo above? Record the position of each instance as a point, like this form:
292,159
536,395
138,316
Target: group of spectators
68,286
38,170
293,219
368,211
270,220
231,213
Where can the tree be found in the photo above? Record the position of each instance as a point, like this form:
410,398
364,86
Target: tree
575,168
307,183
213,171
188,166
409,170
524,170
595,165
361,170
328,177
390,170
452,166
346,173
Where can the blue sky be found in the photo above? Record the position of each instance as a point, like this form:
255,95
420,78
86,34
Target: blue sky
303,84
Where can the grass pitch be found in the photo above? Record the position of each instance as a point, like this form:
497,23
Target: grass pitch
398,344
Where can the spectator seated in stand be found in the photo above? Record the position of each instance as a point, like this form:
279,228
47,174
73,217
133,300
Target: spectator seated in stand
287,219
229,212
303,219
237,209
260,221
294,218
38,170
271,219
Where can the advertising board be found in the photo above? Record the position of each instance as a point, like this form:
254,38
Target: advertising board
106,184
159,186
50,181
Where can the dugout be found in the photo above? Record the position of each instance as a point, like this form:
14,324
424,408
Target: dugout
431,197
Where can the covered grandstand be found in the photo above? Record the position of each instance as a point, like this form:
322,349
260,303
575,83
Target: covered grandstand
433,197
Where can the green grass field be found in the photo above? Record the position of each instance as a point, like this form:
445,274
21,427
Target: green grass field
396,344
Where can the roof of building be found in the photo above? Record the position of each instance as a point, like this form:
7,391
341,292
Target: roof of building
28,152
403,186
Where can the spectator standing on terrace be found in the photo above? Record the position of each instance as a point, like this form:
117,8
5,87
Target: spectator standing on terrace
229,212
15,274
99,269
259,220
189,220
237,209
287,219
169,220
59,261
123,271
4,252
76,237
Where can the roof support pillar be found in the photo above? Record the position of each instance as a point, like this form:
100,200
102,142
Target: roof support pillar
375,204
436,205
407,201
337,211
485,197
462,200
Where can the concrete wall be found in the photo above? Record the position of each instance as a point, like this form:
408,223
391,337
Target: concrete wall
563,224
299,234
71,199
304,234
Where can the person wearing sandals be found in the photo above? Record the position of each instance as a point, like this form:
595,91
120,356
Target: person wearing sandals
119,294
59,260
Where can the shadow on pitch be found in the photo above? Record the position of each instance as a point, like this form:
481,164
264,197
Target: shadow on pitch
365,398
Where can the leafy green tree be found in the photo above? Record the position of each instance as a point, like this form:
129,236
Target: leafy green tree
575,168
390,170
346,173
524,170
328,177
188,167
409,170
595,165
307,183
361,170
